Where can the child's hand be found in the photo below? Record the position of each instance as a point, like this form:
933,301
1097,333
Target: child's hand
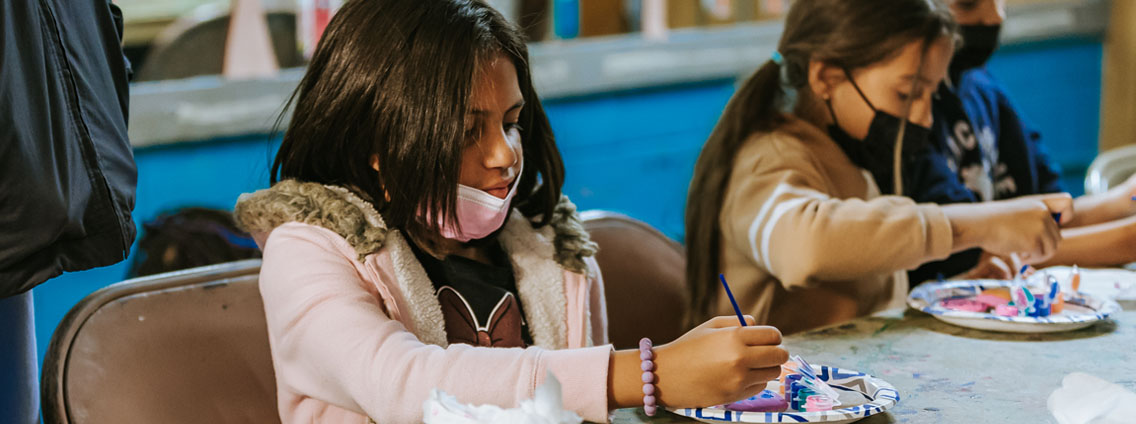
1060,205
1122,197
718,362
1024,226
991,266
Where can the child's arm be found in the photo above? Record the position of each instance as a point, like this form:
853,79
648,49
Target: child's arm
1108,206
778,211
1109,244
715,363
332,341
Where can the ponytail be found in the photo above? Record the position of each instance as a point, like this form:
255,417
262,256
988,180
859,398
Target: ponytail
755,107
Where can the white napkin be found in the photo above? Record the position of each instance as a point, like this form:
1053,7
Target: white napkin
1085,399
546,407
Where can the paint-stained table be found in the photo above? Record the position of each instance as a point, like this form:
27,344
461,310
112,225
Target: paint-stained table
949,374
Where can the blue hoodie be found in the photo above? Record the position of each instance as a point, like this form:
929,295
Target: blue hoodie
981,149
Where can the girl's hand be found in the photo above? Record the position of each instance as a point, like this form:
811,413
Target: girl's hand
718,362
1025,226
991,266
1121,196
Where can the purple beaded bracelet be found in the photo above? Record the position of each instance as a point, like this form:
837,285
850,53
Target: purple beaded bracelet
648,366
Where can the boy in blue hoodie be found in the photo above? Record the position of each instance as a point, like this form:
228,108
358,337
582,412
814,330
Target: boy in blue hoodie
982,150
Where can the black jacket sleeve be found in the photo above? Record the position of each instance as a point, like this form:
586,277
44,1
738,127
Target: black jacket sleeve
67,173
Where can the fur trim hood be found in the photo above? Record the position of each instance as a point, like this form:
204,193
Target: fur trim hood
540,256
341,211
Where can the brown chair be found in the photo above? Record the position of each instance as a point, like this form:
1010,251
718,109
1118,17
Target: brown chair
183,347
643,276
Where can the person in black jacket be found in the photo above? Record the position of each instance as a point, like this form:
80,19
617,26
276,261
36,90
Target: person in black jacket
67,173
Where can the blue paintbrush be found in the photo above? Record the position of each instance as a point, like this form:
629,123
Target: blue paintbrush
737,310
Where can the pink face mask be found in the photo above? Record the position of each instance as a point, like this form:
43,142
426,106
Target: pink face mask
479,213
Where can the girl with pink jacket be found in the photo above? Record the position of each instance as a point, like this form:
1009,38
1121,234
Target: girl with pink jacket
415,237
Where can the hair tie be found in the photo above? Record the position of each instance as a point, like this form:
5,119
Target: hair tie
777,58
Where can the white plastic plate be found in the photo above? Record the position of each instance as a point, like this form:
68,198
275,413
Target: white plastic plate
1081,309
861,396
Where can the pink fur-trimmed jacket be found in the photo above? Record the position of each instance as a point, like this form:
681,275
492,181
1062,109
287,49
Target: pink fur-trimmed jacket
357,333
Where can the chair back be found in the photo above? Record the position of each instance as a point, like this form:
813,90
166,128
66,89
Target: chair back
183,347
643,272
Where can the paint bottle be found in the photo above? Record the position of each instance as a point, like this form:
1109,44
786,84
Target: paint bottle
801,394
797,393
1076,283
818,403
1058,304
781,378
1040,308
787,384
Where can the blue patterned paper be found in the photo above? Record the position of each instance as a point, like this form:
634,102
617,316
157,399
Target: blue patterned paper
880,394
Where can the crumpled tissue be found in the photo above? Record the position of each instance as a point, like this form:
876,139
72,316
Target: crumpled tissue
546,407
1086,399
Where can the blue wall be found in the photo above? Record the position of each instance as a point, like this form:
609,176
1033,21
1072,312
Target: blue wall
635,152
1056,85
631,152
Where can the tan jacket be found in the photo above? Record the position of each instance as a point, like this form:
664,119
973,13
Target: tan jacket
806,238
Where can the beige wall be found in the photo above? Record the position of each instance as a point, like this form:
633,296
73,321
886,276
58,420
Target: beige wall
1118,94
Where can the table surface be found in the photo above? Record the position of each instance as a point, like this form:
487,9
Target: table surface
949,374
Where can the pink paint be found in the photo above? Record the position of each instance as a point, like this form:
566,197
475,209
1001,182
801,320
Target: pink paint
991,300
1006,311
968,305
818,403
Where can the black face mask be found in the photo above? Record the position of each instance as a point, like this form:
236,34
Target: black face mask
978,43
876,152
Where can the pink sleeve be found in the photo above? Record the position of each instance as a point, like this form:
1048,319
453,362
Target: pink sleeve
331,341
597,304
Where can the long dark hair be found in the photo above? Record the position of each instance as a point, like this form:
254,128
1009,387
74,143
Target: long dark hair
392,79
190,237
845,33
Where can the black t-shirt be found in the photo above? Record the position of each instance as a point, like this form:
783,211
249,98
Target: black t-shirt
479,301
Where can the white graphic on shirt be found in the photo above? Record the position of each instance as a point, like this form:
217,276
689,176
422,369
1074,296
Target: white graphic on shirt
989,179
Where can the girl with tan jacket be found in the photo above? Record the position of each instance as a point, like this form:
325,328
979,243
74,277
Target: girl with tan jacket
794,195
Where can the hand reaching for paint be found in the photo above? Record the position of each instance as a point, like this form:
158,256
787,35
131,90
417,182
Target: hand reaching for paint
1025,226
998,267
718,362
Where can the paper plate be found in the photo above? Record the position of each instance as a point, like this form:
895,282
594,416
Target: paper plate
861,396
1081,310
